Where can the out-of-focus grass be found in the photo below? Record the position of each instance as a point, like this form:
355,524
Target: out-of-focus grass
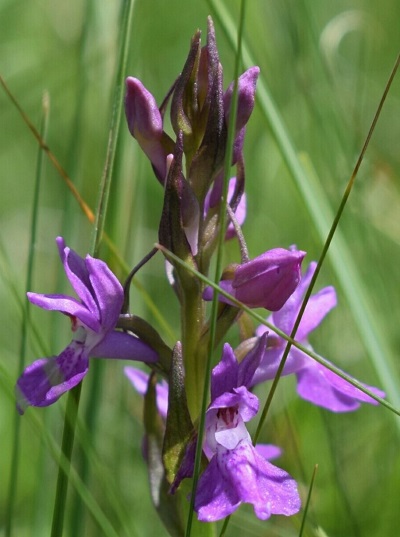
326,65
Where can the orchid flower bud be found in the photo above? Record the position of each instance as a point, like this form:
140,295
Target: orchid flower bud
246,96
146,125
264,282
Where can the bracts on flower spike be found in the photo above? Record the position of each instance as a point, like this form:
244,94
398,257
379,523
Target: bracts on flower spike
93,316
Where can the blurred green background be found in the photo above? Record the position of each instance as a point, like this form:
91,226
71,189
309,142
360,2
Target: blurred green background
325,65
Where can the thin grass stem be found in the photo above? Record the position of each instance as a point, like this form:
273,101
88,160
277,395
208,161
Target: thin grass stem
74,395
310,489
25,318
324,252
39,429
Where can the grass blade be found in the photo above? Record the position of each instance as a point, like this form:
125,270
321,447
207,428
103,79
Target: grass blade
25,320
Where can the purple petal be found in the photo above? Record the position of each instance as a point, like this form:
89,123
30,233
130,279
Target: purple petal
45,380
238,146
224,376
215,497
268,451
277,489
125,347
143,115
107,290
226,285
68,306
77,273
140,379
318,306
268,280
251,362
267,487
285,317
319,385
246,402
241,475
213,197
272,358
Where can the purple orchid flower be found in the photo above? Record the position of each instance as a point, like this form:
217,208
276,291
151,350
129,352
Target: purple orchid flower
238,472
266,281
315,383
93,318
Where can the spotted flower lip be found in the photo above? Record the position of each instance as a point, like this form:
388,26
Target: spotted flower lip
315,383
239,472
94,316
266,281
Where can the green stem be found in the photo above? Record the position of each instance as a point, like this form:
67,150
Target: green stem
66,449
193,320
205,380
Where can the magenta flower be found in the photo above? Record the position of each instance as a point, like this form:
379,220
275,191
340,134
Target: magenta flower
238,472
266,281
315,383
93,320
